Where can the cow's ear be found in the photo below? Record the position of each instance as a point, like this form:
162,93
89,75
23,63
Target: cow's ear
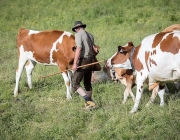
130,44
74,48
121,49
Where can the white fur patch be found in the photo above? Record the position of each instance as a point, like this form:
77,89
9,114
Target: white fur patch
25,54
109,60
125,65
60,40
33,32
67,33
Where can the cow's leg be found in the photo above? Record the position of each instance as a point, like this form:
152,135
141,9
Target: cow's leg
70,74
67,82
166,89
19,70
128,82
161,93
125,95
128,91
29,68
139,91
132,95
177,85
153,96
130,86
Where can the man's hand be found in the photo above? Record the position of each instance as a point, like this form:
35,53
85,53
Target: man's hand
96,49
74,67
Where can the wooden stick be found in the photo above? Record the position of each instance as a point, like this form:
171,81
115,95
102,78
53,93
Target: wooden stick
71,69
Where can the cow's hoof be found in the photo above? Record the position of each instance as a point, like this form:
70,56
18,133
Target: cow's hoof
148,104
123,102
69,98
133,111
162,104
16,94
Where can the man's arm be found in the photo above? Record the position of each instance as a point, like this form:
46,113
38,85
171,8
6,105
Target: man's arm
76,58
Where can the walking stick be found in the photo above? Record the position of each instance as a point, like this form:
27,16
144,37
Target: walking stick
71,69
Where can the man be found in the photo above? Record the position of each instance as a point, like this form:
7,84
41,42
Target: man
83,55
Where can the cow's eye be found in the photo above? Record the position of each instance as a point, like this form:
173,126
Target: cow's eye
74,48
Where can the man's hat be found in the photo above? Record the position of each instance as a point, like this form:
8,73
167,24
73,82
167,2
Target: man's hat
78,24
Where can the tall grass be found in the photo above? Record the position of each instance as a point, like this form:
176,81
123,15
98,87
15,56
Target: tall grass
43,112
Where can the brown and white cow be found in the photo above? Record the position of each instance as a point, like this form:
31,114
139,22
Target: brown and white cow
127,78
51,47
157,59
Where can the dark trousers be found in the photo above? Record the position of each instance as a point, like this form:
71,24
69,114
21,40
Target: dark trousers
84,74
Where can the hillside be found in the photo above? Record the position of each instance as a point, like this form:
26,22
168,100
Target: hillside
43,112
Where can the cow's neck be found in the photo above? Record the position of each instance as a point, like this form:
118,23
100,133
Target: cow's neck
131,58
135,60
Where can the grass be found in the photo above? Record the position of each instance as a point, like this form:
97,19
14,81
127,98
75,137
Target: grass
43,112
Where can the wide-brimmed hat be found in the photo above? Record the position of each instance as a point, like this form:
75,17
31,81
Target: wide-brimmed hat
78,24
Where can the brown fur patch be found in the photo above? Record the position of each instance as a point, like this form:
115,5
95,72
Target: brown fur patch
154,52
146,59
153,62
170,44
157,39
172,28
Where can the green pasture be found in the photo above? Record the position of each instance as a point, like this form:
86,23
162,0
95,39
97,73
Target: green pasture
43,113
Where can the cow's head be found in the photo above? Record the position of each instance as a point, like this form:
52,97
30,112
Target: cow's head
122,58
108,72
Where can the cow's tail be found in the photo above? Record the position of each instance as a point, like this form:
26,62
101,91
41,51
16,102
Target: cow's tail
153,86
21,34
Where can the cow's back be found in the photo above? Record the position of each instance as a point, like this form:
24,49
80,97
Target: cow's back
172,28
47,47
160,55
37,39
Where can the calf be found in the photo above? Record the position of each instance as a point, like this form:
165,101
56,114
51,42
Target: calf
124,76
45,47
